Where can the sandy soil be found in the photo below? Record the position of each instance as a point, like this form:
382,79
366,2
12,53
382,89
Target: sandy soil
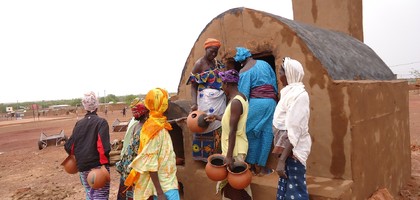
29,173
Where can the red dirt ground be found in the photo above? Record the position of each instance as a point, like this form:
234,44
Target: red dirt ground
29,173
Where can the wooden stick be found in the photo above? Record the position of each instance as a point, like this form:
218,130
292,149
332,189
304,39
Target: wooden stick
177,119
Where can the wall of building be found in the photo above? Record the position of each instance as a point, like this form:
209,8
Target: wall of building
345,15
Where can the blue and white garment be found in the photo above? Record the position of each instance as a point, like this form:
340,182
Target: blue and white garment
294,187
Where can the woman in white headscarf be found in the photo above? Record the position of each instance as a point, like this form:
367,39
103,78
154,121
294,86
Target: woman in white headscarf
292,142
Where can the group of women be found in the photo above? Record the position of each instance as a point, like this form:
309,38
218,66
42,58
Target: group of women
252,94
148,163
248,119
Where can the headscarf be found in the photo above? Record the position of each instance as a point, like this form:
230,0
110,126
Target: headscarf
294,75
241,54
293,70
90,102
229,76
211,42
157,102
138,108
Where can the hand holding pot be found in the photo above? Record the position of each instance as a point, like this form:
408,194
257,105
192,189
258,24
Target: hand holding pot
212,118
229,161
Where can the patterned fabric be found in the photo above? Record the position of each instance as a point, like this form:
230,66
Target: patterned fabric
209,78
211,100
94,194
128,137
135,102
294,187
229,76
90,102
156,102
261,110
157,156
138,108
204,145
128,153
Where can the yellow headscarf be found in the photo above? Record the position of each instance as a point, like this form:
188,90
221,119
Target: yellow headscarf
156,102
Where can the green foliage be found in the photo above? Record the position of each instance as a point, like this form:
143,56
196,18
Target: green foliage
111,97
129,98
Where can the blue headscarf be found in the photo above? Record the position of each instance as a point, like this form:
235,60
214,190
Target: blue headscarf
242,54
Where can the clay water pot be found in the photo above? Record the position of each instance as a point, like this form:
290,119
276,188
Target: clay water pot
196,122
70,165
106,173
97,178
216,167
239,177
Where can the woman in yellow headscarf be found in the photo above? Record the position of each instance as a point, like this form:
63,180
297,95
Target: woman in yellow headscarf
154,168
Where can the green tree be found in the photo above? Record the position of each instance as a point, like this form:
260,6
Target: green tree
111,97
129,98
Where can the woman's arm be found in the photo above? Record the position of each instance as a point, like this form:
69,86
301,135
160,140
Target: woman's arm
235,114
281,163
194,85
156,183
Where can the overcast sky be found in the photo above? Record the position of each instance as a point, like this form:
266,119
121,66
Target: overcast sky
52,50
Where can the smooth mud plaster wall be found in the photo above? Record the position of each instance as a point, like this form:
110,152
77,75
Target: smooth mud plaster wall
379,125
343,15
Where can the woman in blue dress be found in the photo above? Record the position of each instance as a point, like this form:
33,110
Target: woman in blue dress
259,84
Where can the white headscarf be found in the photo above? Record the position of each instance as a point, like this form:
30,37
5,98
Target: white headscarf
90,102
294,75
294,70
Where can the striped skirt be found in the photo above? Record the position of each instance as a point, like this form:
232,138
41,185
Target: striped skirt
94,194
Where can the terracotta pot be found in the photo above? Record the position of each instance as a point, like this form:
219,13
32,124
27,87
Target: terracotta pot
97,178
70,164
196,122
239,177
106,173
216,167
